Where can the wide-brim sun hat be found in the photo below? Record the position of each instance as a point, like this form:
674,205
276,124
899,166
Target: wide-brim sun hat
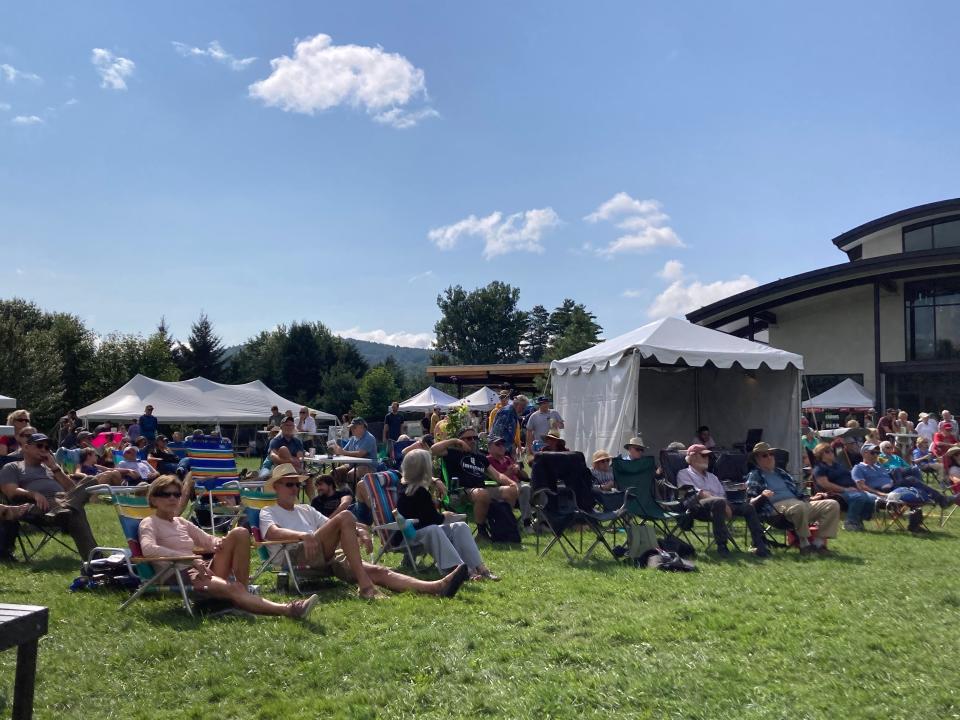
281,471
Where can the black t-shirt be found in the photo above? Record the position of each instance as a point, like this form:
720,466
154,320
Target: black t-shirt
470,468
835,473
328,504
394,423
418,506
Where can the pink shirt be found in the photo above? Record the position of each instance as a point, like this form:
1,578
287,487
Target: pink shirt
160,538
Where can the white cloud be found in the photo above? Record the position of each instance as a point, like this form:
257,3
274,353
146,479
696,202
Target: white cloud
630,293
214,51
113,70
420,276
12,75
672,270
71,101
643,221
686,294
520,231
5,107
27,120
403,339
321,75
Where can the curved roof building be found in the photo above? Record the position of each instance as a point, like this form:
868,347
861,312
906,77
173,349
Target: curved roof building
888,318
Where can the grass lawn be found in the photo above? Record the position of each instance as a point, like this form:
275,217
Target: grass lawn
871,633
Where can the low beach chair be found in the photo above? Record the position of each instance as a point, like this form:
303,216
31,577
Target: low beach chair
213,467
379,492
132,507
273,554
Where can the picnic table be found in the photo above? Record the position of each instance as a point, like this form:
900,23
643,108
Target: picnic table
23,625
336,460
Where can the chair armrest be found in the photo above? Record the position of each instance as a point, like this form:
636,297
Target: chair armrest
394,525
165,558
269,543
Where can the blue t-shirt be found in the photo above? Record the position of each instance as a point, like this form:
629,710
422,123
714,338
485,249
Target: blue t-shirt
394,423
873,476
148,426
293,444
835,473
776,483
366,442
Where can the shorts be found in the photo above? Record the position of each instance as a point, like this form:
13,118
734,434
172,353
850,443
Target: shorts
337,566
494,491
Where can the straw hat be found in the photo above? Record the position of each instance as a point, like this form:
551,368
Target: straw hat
601,455
281,471
635,442
759,448
954,450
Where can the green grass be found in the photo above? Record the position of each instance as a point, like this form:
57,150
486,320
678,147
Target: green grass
872,633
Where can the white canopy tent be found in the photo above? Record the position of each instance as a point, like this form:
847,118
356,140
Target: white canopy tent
196,400
846,395
429,399
7,403
665,379
483,399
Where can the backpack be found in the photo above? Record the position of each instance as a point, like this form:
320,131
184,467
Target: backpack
501,523
641,539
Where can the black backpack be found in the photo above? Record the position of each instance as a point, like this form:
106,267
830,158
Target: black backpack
501,523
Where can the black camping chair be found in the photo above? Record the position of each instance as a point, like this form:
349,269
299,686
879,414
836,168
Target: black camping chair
35,534
638,479
754,435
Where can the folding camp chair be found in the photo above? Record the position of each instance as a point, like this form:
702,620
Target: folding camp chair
273,554
30,546
132,507
639,477
380,491
213,468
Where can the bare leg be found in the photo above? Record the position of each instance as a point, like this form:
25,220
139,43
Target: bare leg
342,531
233,557
481,504
385,577
238,595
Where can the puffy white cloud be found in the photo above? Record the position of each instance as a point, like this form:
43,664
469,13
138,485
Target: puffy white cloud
403,339
214,51
630,293
519,231
27,120
321,75
643,221
113,70
12,75
686,294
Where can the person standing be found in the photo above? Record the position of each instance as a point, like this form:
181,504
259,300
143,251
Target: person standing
392,427
539,423
148,425
926,426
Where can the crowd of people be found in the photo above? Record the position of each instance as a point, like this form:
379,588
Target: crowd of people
857,471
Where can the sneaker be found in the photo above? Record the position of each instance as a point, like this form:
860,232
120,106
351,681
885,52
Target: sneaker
761,552
853,527
723,550
483,532
302,608
460,576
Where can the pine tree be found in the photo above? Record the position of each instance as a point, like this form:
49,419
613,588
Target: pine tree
203,356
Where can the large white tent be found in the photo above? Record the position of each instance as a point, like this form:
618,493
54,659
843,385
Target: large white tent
665,379
7,402
196,400
483,399
846,395
429,399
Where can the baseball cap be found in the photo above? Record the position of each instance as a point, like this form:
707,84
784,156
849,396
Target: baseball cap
868,447
37,438
358,421
542,399
698,449
494,440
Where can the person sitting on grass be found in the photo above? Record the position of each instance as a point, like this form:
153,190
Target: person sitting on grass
329,501
331,546
780,491
872,477
830,476
226,576
473,469
145,473
448,544
710,502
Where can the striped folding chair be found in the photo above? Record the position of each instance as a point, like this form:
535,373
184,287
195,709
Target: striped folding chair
379,491
214,472
273,554
132,507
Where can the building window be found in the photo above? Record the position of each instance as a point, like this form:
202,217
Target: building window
941,233
932,319
816,384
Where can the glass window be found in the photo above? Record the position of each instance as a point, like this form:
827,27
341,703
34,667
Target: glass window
948,332
946,234
924,339
919,239
932,319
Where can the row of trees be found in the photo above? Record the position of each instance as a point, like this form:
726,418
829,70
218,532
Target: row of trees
52,362
486,326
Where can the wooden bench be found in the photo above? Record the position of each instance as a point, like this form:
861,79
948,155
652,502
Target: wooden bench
22,626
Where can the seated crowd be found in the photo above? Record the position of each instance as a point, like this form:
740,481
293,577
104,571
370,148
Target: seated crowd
332,528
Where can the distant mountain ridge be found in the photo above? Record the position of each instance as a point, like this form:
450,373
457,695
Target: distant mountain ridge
411,360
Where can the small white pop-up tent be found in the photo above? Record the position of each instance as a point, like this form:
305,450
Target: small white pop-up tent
483,399
665,379
847,395
7,402
428,399
196,400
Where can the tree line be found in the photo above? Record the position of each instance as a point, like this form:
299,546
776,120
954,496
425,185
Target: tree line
53,362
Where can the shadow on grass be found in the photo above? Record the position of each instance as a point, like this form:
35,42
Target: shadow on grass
61,563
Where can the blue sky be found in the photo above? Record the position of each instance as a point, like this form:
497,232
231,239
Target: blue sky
637,157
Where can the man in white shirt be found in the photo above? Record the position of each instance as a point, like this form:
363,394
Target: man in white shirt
926,426
305,423
540,422
144,471
947,416
332,545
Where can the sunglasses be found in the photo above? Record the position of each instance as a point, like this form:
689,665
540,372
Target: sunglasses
42,446
764,455
23,420
603,462
172,494
290,484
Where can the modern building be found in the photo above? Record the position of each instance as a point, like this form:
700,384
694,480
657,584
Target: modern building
888,318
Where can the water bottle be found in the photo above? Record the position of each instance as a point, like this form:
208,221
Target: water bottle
406,527
283,582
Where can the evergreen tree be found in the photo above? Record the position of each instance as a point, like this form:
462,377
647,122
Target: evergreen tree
203,356
537,336
579,331
482,326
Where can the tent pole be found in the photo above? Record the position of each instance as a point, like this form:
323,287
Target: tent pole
696,394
